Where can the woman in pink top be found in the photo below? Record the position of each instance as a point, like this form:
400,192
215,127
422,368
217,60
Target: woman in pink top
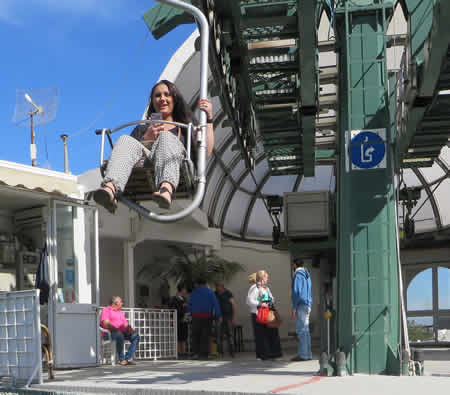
113,319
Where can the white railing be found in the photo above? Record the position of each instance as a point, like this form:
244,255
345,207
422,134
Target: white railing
157,329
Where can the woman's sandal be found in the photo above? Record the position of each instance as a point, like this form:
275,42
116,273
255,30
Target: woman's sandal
161,200
103,198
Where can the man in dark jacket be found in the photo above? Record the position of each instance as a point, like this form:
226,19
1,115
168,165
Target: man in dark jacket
179,303
301,309
228,309
204,307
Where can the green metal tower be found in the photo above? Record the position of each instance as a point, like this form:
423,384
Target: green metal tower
368,312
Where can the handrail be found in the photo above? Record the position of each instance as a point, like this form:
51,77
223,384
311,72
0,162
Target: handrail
201,157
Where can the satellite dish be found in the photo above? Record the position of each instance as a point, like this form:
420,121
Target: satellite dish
37,105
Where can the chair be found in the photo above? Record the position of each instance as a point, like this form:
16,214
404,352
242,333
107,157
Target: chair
108,341
141,183
47,352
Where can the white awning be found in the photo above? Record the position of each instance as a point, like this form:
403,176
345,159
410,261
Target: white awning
37,179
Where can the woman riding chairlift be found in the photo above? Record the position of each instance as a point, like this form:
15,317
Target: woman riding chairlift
161,146
167,148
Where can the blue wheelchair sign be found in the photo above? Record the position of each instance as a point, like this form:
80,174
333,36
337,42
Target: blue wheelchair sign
368,149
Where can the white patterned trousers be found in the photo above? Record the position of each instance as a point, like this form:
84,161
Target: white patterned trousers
165,156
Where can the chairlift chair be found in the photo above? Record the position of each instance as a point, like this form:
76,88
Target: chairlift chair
141,184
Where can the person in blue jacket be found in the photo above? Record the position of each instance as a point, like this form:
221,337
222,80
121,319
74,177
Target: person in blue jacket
301,309
204,307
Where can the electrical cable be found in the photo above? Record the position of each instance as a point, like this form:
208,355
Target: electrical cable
115,94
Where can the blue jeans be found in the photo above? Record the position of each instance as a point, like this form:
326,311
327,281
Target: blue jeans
119,338
302,329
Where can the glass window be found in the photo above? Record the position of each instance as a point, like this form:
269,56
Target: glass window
260,223
410,178
423,214
259,172
279,184
420,292
420,329
444,288
235,217
67,289
238,170
75,253
222,198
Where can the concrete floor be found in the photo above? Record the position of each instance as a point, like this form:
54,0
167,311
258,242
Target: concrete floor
243,375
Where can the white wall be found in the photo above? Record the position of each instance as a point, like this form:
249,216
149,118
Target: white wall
111,270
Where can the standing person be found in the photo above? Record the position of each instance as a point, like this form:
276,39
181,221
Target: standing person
113,319
301,309
168,147
267,340
179,303
228,309
204,307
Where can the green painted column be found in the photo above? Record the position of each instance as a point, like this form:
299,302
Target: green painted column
368,308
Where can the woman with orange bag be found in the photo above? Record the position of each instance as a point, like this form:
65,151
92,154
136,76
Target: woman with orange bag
267,340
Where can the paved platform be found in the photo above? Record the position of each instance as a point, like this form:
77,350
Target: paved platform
242,375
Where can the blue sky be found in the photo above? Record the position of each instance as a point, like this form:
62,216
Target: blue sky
98,53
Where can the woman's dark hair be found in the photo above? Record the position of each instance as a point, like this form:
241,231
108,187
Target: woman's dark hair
181,111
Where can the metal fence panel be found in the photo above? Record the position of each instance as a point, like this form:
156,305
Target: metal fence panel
157,329
20,337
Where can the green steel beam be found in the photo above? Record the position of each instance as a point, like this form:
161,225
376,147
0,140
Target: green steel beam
308,58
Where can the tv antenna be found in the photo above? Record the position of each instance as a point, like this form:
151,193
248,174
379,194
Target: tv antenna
37,105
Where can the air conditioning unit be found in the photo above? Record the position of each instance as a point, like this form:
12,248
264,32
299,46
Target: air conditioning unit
32,216
307,214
